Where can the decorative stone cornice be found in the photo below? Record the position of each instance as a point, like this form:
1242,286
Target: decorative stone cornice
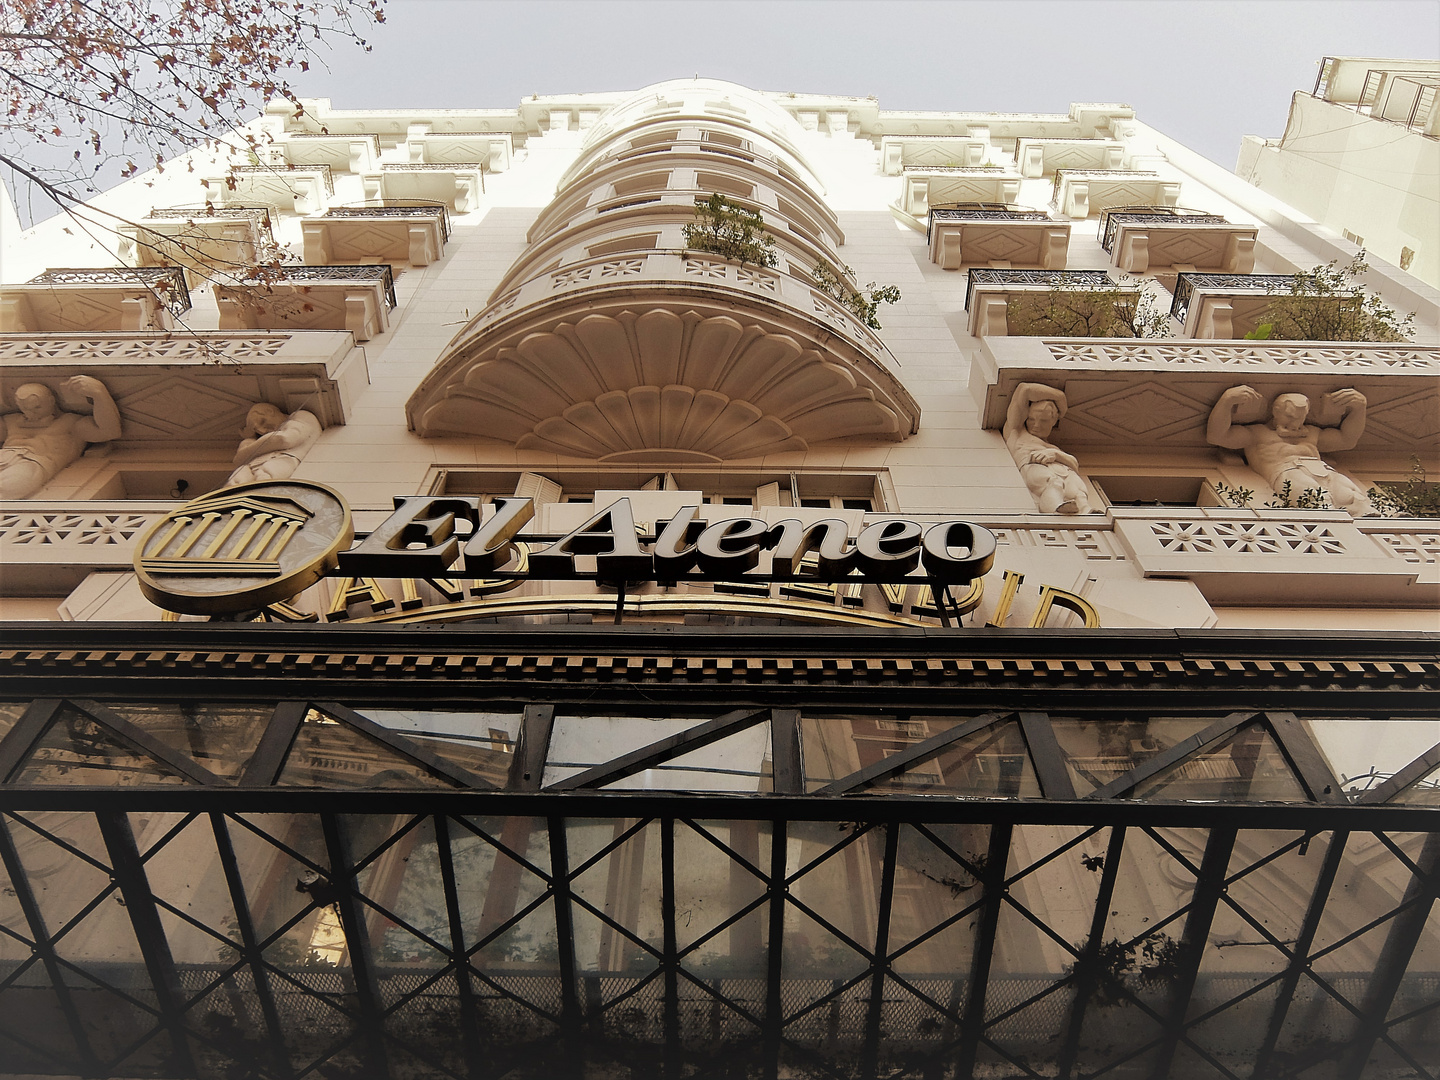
623,368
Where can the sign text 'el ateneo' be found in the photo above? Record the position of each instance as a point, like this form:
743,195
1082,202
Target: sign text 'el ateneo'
421,540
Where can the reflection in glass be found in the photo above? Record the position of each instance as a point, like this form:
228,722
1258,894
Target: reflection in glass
990,762
77,750
1246,765
1099,749
221,737
482,743
11,711
581,742
1365,752
330,754
1424,792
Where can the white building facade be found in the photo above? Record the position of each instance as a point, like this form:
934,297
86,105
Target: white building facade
527,815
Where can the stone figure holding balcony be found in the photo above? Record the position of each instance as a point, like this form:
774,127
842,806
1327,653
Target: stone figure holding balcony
273,444
1286,449
1051,474
42,438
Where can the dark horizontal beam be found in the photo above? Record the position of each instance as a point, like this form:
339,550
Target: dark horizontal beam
757,807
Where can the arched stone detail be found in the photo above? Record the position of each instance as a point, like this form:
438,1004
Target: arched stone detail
698,380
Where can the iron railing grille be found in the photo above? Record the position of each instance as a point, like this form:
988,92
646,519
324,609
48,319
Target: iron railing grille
375,272
397,210
166,282
1112,218
1055,279
1187,283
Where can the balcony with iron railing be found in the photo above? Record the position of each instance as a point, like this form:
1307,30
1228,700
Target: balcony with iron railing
1227,305
1166,240
107,298
208,241
354,298
995,299
1080,193
982,233
457,185
397,235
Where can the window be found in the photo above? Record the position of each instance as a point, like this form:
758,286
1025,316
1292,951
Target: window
1407,256
624,243
725,185
637,185
1353,238
1154,490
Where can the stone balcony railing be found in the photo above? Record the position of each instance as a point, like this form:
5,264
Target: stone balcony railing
455,184
305,189
492,149
206,241
931,151
343,153
1082,193
1020,238
1228,305
96,299
1134,396
1042,157
925,186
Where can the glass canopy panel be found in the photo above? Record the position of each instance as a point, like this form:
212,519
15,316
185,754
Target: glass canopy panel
480,742
837,745
77,750
10,712
1365,751
1100,749
578,743
1423,792
989,763
738,763
327,753
1246,765
219,736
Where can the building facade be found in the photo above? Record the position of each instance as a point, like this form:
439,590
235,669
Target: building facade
1356,156
701,582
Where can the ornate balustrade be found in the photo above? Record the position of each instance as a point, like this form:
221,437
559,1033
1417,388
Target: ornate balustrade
400,235
351,153
457,185
1023,237
1042,157
930,151
1111,219
1079,193
1229,305
989,292
354,298
208,241
305,189
931,185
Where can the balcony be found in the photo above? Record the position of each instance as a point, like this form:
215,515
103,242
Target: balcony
207,242
96,299
397,235
457,185
932,186
303,189
1043,157
931,151
338,153
997,236
354,298
1229,305
1002,302
491,149
1155,239
1081,193
664,355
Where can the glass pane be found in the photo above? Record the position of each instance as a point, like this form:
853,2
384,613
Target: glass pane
1248,764
330,754
11,711
991,762
1099,749
839,745
1424,792
580,742
738,762
77,750
483,743
1365,751
221,737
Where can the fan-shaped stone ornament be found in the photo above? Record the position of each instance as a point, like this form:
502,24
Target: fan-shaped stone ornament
674,382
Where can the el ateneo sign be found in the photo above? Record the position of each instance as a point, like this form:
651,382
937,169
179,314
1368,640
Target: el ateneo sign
242,548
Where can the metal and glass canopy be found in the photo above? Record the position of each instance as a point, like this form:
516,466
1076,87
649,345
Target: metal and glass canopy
305,851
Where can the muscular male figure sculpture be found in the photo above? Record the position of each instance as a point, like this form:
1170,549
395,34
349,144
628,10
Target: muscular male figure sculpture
41,439
1048,471
273,444
1287,449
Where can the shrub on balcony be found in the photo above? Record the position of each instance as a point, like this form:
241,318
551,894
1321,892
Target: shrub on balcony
1085,310
862,304
727,229
1353,315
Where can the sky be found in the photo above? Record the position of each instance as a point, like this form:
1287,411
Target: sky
1205,73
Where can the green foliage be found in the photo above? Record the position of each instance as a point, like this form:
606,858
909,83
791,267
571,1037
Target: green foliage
727,229
1083,310
1328,303
863,305
1286,498
1155,958
1414,497
1238,497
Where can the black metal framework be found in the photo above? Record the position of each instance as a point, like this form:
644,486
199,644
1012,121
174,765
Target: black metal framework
1112,218
1087,280
1186,283
380,272
166,282
395,209
1008,879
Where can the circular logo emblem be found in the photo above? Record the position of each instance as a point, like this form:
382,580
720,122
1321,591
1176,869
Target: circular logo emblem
243,547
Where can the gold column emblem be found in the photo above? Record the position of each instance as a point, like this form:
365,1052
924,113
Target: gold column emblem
244,547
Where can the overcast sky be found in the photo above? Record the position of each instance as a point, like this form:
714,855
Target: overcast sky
1205,73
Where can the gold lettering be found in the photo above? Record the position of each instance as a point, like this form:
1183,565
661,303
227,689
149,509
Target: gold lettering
1053,597
1008,589
349,590
283,611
